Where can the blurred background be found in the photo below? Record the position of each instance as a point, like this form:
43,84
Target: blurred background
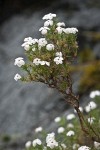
23,107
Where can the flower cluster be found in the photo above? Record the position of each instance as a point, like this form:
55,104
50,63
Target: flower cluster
37,62
67,135
49,52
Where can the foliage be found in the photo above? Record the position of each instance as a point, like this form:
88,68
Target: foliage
90,77
72,142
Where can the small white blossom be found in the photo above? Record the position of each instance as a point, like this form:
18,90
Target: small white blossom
91,120
26,46
47,63
36,61
61,129
59,30
58,60
87,108
39,129
94,93
27,39
59,24
28,144
63,145
28,42
70,125
70,117
44,63
44,30
97,145
57,119
70,133
42,42
49,16
19,62
34,41
92,105
48,23
50,136
17,77
50,140
36,142
84,148
50,47
70,30
52,144
59,54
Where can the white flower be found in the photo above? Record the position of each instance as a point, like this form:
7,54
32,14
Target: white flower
39,129
36,142
34,41
61,129
70,133
58,60
87,108
91,120
26,46
52,144
49,16
92,105
71,30
50,47
97,145
57,119
44,63
44,30
80,108
28,144
42,42
17,77
50,140
50,136
59,30
63,145
47,63
48,23
27,39
70,125
61,24
70,117
28,42
94,93
19,62
36,61
75,146
84,148
59,54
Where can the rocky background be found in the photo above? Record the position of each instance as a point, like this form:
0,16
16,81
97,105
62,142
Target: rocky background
24,107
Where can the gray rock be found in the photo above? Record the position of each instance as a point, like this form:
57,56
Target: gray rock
96,51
